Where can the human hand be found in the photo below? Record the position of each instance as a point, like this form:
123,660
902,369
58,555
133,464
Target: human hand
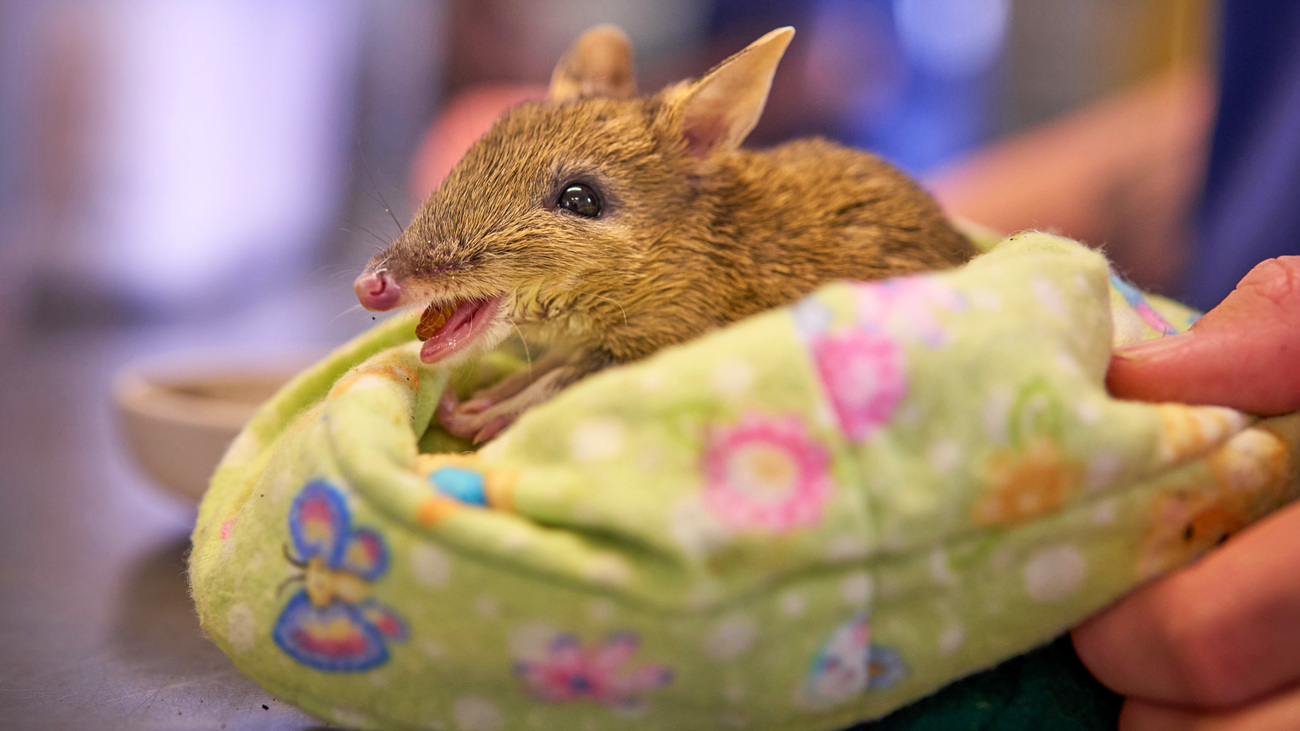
1215,645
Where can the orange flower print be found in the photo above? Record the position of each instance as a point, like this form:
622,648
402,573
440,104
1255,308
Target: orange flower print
1024,484
1252,466
1184,526
1188,431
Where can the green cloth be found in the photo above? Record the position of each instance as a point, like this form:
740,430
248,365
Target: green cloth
805,520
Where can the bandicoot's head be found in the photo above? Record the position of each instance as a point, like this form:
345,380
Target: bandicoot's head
552,211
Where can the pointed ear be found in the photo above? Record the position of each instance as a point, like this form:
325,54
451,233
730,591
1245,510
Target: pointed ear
598,64
721,108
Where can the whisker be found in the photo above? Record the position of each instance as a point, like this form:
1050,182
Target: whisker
383,241
528,354
371,176
348,311
620,307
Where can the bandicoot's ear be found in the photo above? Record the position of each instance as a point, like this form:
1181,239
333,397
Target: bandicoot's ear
598,64
720,109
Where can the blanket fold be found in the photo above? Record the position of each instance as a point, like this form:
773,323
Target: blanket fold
801,521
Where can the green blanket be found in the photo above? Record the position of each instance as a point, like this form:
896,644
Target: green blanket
805,520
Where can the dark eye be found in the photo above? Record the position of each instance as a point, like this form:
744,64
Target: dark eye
580,199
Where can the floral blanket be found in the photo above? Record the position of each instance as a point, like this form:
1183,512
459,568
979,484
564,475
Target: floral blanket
804,520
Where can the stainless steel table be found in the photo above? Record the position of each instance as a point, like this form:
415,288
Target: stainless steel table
96,628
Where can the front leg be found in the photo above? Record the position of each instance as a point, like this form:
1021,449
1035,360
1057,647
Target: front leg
493,409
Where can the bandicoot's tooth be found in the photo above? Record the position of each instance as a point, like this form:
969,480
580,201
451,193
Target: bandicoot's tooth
431,321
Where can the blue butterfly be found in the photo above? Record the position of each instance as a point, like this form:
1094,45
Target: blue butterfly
331,624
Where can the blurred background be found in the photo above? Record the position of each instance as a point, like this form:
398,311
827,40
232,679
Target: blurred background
199,182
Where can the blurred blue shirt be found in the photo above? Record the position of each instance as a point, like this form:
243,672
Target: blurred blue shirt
1250,210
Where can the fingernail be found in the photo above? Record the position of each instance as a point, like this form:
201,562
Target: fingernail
1154,348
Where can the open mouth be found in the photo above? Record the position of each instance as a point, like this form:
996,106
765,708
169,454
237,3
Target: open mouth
447,329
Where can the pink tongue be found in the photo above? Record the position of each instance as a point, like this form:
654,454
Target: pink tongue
464,326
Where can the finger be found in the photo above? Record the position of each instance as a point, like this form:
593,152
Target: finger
1278,713
1245,353
1217,633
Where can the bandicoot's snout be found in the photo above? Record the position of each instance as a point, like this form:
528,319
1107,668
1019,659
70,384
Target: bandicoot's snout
377,291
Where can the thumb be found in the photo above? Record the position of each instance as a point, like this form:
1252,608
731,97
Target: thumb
1245,353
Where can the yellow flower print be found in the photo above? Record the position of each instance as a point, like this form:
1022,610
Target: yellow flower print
1026,484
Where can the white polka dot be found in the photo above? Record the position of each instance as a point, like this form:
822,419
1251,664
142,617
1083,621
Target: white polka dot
825,417
856,589
793,603
846,548
1088,412
241,627
951,639
1104,513
487,607
944,455
608,570
531,640
435,724
733,691
731,638
908,415
1067,364
986,300
378,678
1080,282
651,380
255,563
430,565
734,720
476,714
996,408
1102,470
1055,573
732,378
694,528
650,459
281,485
349,718
596,438
1050,297
940,571
432,648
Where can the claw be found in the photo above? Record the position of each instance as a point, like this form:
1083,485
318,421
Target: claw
476,405
491,429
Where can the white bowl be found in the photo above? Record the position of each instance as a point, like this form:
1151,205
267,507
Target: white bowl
177,421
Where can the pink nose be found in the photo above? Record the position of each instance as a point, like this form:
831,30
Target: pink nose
377,291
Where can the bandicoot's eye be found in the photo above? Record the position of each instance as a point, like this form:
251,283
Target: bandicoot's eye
580,199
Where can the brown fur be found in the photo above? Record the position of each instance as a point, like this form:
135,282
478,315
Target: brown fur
684,244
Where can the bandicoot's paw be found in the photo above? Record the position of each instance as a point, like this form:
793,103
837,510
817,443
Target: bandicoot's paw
477,420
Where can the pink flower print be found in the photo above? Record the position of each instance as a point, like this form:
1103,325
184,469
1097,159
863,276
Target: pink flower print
601,673
905,305
766,473
863,373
